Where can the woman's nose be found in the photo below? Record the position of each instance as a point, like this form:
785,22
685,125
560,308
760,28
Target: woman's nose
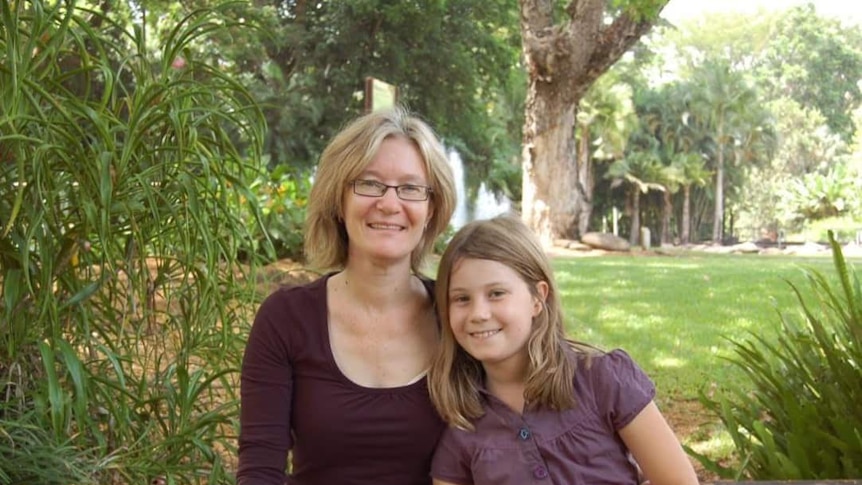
389,201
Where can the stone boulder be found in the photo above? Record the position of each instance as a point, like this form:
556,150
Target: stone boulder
571,244
606,241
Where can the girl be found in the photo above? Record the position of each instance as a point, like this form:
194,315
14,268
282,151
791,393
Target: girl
524,404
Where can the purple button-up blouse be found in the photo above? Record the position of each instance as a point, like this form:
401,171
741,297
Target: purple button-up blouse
576,446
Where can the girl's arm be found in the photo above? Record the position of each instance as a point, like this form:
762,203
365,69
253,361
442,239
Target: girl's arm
657,450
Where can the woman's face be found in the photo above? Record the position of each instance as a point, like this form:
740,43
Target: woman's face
388,228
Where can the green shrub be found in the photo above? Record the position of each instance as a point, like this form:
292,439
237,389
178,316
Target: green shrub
443,239
802,417
31,454
121,299
282,195
844,229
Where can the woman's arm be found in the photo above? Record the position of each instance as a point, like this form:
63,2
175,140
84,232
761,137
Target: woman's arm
266,390
657,450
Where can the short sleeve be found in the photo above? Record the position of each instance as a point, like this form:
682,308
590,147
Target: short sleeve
621,388
451,461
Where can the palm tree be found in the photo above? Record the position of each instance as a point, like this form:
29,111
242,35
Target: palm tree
605,120
693,171
641,170
736,126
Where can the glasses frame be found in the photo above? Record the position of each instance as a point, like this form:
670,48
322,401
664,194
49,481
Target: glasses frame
383,188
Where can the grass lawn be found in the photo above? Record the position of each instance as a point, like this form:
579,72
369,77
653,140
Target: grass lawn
673,313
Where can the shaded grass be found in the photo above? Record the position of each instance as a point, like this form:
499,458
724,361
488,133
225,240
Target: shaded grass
673,314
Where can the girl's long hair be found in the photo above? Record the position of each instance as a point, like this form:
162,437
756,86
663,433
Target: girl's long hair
455,376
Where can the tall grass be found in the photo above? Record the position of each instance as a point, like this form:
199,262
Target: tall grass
120,177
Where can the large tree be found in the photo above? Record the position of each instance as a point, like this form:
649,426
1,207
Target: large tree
563,58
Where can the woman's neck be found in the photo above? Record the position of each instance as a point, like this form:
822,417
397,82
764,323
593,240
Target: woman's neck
376,286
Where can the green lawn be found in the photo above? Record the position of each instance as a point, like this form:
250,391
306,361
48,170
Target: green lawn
673,313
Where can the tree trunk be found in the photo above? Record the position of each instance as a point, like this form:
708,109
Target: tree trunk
718,214
667,211
563,59
634,237
586,183
550,195
686,215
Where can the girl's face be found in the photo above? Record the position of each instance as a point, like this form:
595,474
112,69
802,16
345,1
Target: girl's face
491,310
388,228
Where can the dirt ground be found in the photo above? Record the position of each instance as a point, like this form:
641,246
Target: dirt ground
685,417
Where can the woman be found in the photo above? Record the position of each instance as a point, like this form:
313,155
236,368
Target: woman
334,371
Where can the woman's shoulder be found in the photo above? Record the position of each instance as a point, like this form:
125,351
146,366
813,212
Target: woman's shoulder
299,291
295,298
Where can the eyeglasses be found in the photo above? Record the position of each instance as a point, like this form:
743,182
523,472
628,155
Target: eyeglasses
373,188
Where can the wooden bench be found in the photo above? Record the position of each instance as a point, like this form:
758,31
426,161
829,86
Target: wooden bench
789,482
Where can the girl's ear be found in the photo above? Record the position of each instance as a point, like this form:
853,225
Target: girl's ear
541,296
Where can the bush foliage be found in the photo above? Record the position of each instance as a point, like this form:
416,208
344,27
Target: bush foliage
121,165
802,416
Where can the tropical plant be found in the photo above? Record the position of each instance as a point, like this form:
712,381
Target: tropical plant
802,416
605,119
121,166
282,195
640,170
738,131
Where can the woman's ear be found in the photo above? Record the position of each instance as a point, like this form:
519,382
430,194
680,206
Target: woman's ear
541,295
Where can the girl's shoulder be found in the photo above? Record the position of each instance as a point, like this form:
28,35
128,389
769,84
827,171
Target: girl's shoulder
589,359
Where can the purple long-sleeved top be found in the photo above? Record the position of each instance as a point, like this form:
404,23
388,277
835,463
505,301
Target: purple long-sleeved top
294,398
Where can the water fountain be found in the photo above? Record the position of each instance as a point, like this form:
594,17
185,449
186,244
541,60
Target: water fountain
486,204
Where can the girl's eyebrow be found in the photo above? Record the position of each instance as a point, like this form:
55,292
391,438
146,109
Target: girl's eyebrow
486,285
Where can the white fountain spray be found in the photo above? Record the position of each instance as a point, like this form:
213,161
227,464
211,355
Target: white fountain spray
459,218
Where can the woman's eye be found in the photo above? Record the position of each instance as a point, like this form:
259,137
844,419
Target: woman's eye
368,184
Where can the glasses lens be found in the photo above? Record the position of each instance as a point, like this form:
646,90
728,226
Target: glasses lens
412,192
368,187
373,188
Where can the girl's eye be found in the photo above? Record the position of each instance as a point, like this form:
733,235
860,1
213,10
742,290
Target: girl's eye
459,299
497,293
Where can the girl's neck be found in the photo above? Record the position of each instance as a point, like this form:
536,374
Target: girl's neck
507,385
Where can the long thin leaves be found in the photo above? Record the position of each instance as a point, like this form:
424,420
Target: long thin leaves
802,416
119,236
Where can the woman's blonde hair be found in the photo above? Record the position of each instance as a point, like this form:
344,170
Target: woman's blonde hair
455,375
344,159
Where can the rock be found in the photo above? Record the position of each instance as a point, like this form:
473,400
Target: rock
571,244
745,248
603,240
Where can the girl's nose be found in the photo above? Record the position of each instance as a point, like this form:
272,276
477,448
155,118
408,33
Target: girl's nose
479,311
